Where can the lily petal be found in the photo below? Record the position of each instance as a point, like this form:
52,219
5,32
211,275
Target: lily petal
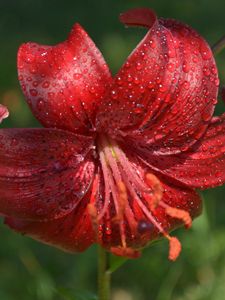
3,113
203,166
43,172
72,233
139,17
164,95
64,83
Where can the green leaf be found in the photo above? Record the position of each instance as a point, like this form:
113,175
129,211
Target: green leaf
116,262
70,294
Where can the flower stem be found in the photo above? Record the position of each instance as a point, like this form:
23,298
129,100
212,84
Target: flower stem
218,46
103,275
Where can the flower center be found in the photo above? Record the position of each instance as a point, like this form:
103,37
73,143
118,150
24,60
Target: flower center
128,193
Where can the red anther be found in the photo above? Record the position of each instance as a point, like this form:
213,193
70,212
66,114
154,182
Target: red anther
175,248
179,214
156,187
127,252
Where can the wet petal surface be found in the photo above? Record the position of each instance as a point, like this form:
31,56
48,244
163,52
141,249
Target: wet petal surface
64,83
203,166
164,95
72,233
43,172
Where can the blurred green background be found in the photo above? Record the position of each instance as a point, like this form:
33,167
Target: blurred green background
32,271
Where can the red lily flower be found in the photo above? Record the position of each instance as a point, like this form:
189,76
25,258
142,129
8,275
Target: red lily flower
3,113
120,158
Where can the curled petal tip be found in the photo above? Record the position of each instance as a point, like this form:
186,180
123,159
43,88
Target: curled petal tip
138,17
4,113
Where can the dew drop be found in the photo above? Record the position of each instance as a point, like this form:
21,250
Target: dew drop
35,83
186,67
214,70
139,66
77,76
45,84
114,94
33,92
14,142
144,226
108,231
171,67
217,82
29,58
152,44
206,71
158,136
186,85
40,104
119,81
92,90
136,80
171,53
129,78
206,116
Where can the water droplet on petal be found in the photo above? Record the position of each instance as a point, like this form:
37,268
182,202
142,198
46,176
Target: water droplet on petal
77,76
33,92
114,94
144,226
45,84
40,104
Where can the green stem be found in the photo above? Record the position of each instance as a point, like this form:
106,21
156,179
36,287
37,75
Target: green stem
103,275
218,46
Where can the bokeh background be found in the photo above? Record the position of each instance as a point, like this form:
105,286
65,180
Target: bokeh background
33,271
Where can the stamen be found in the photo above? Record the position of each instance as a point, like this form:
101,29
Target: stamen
157,189
128,168
175,248
91,206
107,188
119,211
128,191
122,195
178,214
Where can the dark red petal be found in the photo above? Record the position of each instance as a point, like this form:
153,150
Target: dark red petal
178,196
3,113
164,95
64,83
139,16
203,166
43,172
135,94
72,232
